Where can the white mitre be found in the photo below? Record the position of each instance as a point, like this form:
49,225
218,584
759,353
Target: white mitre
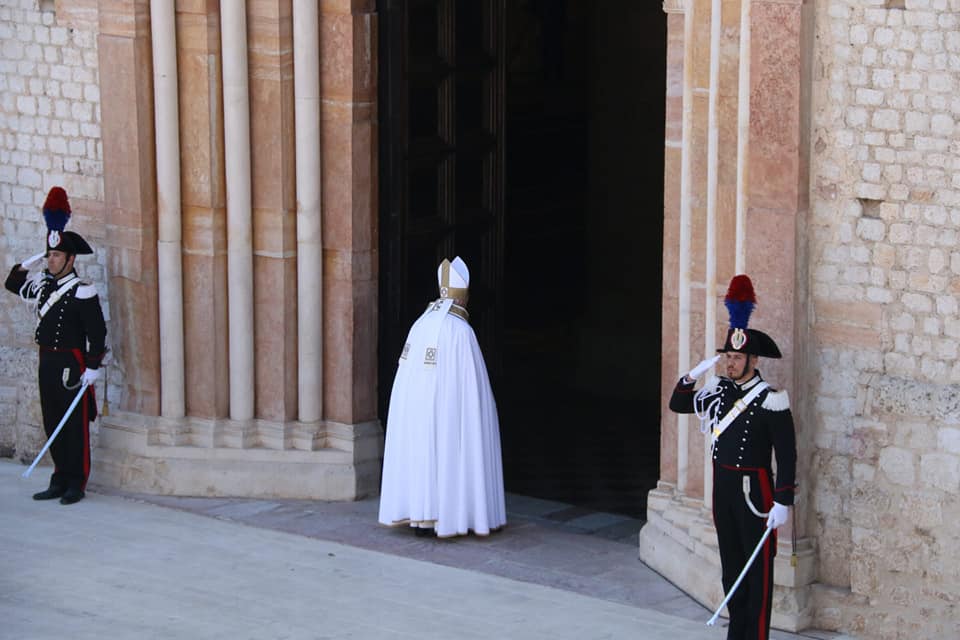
454,279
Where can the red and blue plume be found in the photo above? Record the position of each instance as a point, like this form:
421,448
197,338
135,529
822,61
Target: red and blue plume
56,209
740,301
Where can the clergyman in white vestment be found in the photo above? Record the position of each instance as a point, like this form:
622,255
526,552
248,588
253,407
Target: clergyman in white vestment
442,468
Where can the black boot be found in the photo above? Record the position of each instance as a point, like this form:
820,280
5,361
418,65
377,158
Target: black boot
425,532
72,495
51,492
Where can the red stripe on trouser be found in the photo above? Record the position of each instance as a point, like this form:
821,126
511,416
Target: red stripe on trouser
84,421
762,623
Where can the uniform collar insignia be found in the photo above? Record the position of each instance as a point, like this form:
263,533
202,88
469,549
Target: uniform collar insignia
67,278
750,383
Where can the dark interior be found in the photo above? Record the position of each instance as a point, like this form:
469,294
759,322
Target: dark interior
568,275
579,391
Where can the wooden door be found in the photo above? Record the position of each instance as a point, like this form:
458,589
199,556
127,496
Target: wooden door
441,163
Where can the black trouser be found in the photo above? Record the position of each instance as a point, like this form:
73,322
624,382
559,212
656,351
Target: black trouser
71,448
738,532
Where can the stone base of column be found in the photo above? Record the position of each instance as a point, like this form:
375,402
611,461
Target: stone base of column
255,459
679,542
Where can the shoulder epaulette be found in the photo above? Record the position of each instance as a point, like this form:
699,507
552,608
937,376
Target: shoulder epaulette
776,401
86,290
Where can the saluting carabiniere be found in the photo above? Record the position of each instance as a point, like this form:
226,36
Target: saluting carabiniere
71,334
748,422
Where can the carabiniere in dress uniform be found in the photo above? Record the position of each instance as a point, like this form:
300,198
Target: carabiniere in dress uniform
748,423
71,335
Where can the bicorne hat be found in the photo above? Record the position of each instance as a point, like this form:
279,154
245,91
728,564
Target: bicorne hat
740,302
56,213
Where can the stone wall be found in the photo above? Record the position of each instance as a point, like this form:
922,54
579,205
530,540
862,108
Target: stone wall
884,280
49,135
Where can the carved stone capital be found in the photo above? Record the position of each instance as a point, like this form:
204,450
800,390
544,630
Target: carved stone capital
673,6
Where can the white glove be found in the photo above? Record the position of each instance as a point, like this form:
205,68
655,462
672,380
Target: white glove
33,260
702,368
90,376
778,515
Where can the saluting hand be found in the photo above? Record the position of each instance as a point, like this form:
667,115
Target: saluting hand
29,263
703,367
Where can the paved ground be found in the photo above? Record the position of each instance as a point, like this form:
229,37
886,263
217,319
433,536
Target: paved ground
123,566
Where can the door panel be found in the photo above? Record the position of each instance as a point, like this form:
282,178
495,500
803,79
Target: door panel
441,145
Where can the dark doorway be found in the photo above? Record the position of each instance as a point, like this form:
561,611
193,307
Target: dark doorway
568,244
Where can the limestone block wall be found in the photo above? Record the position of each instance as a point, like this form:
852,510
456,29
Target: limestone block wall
49,135
884,283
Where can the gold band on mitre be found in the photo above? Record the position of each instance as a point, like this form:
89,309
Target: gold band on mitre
459,294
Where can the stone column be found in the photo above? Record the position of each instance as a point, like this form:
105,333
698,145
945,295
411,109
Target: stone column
778,197
169,260
349,91
204,210
776,221
234,36
273,180
684,359
126,104
673,141
306,68
691,230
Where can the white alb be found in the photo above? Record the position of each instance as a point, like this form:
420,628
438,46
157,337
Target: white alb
442,464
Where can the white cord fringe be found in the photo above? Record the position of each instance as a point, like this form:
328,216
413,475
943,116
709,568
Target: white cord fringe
706,405
30,291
